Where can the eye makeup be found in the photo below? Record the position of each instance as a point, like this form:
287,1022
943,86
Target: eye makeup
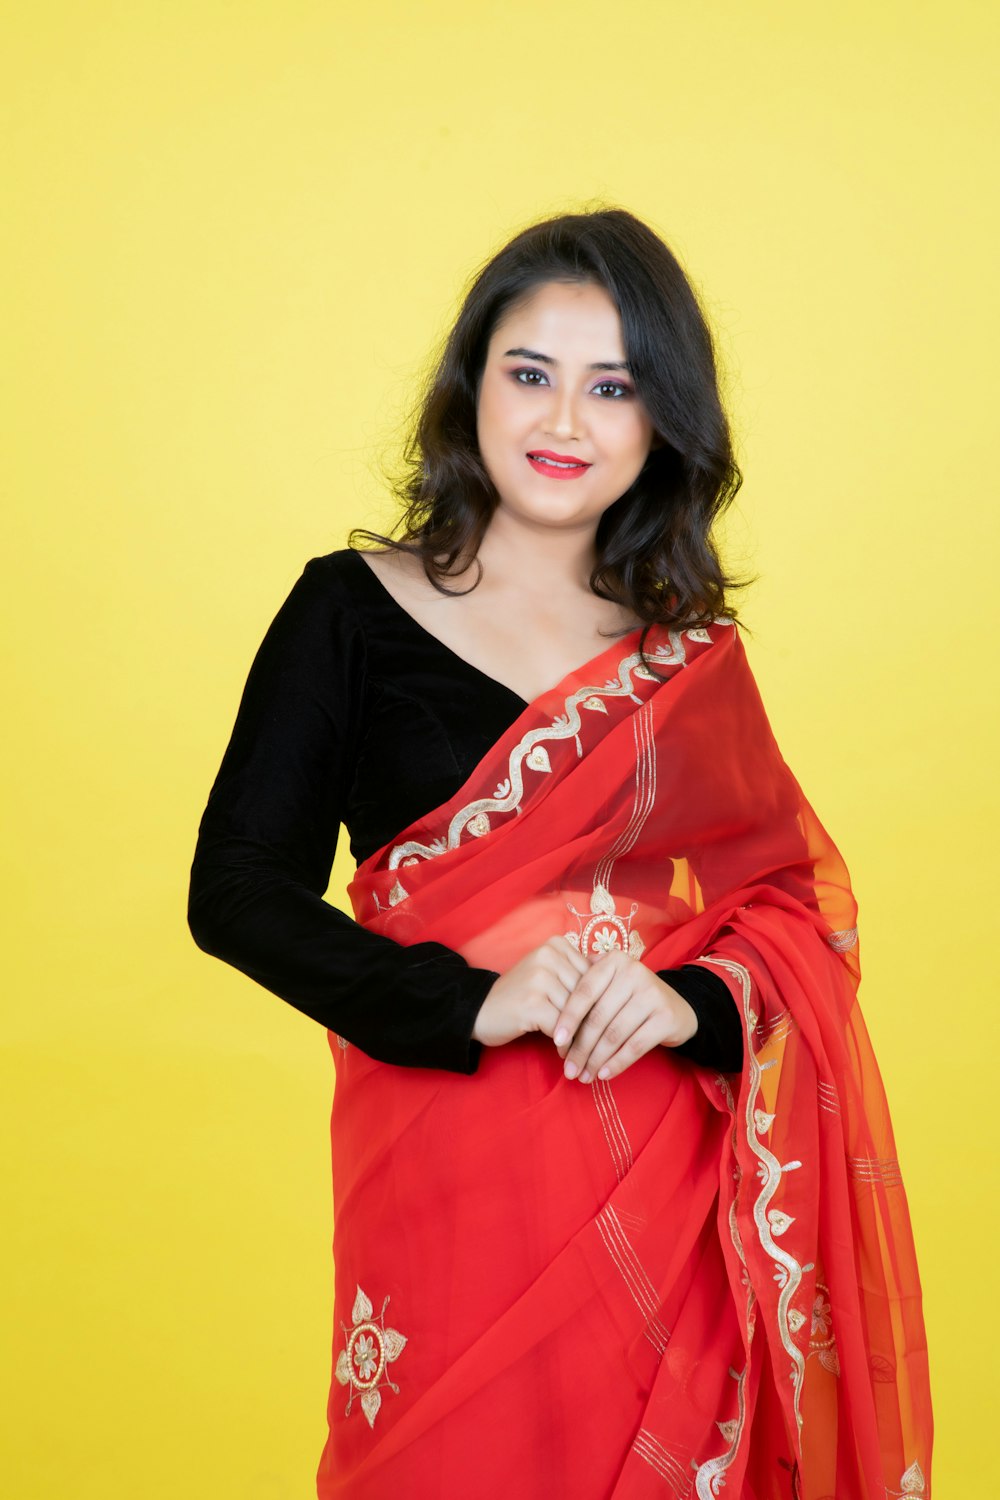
619,385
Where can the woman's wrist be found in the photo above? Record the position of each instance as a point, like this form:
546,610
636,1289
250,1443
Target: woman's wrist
684,1015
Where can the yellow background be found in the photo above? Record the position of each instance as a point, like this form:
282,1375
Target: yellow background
234,234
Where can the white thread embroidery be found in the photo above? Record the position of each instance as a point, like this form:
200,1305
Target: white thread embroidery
370,1347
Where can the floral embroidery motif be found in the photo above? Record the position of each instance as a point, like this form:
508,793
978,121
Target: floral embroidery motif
605,931
822,1340
821,1313
370,1347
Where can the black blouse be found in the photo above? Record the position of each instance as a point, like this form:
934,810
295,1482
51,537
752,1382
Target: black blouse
353,713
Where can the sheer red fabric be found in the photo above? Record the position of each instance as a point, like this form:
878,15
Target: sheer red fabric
673,1281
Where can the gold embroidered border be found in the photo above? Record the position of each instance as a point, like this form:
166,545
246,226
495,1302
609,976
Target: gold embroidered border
770,1221
474,817
788,1272
711,1475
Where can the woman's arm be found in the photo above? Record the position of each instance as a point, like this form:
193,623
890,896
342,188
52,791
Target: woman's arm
267,839
718,1042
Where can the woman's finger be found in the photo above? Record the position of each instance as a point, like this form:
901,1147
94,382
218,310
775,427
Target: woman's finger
568,975
585,994
553,1011
636,1045
613,1035
609,1013
577,961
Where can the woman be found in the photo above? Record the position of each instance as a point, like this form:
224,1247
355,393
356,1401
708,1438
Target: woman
617,1207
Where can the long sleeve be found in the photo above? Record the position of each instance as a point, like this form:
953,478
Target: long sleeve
267,839
718,1042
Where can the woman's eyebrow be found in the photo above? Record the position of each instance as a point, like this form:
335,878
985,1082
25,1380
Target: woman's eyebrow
546,359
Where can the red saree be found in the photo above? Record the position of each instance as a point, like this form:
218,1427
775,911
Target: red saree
673,1282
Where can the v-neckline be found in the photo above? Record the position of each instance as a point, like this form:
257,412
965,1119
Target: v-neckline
468,665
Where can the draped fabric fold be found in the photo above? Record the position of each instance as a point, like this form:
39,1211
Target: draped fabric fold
673,1282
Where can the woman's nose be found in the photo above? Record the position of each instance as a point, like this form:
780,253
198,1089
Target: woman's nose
564,413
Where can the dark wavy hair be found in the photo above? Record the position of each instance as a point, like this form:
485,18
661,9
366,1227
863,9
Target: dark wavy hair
654,547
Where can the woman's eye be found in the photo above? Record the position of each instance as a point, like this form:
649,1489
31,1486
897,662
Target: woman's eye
620,391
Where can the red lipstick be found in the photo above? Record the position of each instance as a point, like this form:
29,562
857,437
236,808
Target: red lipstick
552,469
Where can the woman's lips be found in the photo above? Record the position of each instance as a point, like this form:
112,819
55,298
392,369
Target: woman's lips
553,471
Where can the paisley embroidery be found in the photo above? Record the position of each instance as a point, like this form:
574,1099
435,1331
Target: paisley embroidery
370,1347
843,942
913,1485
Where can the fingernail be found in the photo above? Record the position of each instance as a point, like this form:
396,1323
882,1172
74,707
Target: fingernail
562,1035
585,1077
570,1070
604,1073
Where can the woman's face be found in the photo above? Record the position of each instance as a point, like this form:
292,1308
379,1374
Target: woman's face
555,382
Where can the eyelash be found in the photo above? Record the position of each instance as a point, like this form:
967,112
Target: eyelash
528,370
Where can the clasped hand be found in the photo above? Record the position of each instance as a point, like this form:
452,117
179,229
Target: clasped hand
603,1015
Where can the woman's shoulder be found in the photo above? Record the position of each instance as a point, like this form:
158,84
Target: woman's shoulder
362,589
337,564
375,576
327,595
338,577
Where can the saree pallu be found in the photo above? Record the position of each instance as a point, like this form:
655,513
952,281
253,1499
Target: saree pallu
674,1282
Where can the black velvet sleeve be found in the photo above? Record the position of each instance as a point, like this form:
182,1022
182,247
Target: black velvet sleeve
267,839
718,1042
